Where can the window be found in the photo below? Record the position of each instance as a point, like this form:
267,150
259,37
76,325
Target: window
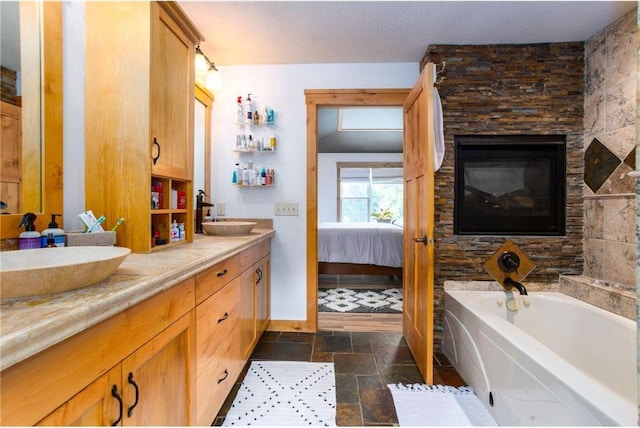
367,188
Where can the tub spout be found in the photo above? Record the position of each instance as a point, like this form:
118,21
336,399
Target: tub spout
511,284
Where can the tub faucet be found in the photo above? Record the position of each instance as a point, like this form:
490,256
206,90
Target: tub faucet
514,284
200,203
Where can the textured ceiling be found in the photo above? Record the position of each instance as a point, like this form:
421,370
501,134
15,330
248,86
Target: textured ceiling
313,32
304,32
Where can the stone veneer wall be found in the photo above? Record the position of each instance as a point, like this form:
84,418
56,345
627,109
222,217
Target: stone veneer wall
610,141
508,89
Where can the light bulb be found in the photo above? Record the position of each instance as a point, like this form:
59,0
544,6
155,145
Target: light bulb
213,81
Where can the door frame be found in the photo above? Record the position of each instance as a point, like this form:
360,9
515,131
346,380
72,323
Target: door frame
316,98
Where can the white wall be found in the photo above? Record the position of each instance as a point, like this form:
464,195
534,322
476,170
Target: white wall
328,178
282,87
73,111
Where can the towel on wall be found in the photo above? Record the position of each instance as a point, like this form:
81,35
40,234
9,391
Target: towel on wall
438,147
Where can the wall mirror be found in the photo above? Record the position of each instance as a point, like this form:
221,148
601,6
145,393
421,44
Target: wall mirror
202,141
31,153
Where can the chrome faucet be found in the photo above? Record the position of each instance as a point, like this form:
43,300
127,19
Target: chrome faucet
515,284
200,204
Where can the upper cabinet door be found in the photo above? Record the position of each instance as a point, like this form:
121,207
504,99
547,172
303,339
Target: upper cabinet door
172,92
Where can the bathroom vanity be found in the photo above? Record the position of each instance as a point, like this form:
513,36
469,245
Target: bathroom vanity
159,342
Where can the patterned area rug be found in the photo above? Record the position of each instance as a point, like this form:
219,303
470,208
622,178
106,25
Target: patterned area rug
438,405
283,393
359,300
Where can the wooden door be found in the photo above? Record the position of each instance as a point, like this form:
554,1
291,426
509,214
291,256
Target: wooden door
417,322
96,405
158,386
172,93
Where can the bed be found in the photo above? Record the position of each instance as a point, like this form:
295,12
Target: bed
360,248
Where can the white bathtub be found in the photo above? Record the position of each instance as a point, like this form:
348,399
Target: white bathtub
554,361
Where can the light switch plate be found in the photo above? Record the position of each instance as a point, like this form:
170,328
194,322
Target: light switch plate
220,208
285,208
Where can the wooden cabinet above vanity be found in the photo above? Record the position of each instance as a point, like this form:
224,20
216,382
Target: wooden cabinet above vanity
139,91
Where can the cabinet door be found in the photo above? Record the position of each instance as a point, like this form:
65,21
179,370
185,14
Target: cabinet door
157,378
172,83
96,405
262,293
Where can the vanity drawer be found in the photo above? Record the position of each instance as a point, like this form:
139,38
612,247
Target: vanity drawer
216,323
217,276
215,382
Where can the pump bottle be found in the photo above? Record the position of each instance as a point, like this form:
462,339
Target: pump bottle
53,229
29,238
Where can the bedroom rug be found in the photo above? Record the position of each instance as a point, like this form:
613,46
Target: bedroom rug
360,300
438,405
284,393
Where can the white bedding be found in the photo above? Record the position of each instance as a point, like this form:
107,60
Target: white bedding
363,243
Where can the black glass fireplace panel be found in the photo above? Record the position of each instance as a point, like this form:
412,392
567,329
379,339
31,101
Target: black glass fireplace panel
510,185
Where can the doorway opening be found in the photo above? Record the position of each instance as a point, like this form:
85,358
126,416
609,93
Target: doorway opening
319,102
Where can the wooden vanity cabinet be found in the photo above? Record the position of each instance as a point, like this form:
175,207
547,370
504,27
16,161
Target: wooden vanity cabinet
139,88
229,322
72,381
154,375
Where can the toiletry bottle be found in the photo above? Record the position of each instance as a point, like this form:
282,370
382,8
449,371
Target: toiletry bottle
256,118
58,234
174,231
240,109
272,142
248,109
29,238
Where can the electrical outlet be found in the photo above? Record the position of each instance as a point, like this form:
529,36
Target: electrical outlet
285,208
220,208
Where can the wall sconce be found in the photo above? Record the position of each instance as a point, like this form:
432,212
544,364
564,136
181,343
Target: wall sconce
206,71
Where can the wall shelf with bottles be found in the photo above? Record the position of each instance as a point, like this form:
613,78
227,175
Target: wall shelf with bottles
170,224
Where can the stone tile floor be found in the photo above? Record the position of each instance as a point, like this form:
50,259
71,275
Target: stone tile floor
364,364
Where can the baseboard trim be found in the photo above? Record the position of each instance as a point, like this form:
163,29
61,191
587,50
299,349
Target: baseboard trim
302,326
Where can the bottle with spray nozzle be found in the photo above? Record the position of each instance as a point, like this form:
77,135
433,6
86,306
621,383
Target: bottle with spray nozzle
29,239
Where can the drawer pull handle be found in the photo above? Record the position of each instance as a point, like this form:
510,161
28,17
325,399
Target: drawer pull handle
259,273
226,375
224,272
114,394
226,315
132,381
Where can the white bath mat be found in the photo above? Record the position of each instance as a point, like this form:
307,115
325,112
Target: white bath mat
438,405
285,393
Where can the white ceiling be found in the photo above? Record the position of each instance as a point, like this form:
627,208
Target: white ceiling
307,32
313,32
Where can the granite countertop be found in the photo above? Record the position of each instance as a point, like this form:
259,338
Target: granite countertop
30,325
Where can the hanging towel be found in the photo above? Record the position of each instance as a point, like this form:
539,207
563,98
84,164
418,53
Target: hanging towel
438,146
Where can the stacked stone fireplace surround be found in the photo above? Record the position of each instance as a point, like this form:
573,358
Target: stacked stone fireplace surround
547,89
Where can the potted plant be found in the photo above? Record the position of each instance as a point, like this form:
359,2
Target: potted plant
383,215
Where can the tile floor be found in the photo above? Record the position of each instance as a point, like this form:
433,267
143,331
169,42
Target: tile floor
364,364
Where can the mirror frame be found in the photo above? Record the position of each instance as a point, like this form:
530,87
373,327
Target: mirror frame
51,192
206,98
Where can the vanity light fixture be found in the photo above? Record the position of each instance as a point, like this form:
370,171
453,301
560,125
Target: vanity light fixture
206,71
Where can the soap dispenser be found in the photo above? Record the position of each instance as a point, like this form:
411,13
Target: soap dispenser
53,229
29,238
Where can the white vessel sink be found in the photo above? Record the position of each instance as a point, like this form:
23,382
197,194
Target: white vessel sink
45,271
228,228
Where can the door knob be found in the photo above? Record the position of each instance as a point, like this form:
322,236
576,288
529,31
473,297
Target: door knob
423,239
